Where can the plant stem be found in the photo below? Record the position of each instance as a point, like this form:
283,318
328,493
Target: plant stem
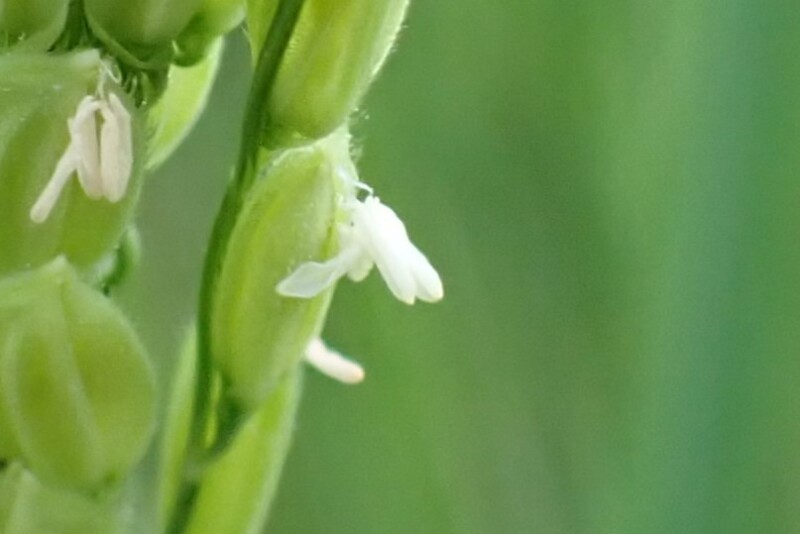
199,452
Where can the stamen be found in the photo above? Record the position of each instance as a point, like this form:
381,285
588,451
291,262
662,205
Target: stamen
333,364
83,132
350,178
47,199
116,148
370,234
103,166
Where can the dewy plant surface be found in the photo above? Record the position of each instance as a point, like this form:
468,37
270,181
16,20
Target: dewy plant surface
94,94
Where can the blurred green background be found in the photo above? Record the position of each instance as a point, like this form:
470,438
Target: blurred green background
611,193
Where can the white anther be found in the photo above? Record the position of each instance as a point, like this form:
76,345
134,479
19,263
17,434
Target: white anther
384,239
333,364
103,164
374,235
369,234
116,148
83,135
47,199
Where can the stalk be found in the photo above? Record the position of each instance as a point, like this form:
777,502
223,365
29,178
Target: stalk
200,450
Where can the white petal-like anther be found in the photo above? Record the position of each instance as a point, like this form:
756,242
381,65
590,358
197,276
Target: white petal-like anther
407,271
374,235
102,162
67,164
116,148
312,278
370,234
83,136
333,364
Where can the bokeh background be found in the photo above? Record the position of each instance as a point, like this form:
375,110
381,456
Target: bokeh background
612,195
